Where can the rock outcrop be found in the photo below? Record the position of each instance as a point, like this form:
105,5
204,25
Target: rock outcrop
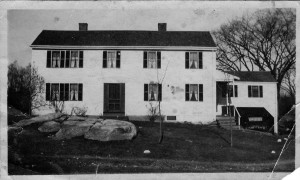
49,126
111,130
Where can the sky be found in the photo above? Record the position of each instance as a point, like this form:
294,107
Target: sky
25,25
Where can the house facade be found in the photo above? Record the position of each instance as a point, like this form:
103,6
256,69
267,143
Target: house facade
128,72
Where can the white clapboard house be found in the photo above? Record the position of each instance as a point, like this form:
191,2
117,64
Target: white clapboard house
123,72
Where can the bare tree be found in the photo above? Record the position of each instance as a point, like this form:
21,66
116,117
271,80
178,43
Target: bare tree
263,41
289,86
36,86
155,108
160,81
25,87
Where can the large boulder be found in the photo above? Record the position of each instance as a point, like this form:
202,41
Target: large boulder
76,118
39,119
111,130
81,118
71,129
49,126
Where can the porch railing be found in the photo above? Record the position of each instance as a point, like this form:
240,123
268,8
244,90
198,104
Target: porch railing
237,116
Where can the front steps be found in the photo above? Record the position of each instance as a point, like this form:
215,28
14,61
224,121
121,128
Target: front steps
225,121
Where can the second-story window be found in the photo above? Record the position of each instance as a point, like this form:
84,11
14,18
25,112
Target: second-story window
74,59
56,59
193,60
111,59
64,59
152,59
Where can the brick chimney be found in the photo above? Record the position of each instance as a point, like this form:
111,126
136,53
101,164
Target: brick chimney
162,27
83,26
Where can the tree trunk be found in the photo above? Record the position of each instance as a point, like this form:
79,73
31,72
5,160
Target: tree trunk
160,124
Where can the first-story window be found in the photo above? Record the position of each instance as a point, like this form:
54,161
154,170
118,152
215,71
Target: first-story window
152,92
111,59
63,92
193,60
255,91
152,59
64,59
194,92
232,90
55,92
74,92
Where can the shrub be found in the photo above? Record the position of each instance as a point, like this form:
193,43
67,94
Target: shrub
79,111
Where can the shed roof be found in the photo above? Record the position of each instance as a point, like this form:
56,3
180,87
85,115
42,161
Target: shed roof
254,76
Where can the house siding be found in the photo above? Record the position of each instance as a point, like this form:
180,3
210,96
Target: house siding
132,73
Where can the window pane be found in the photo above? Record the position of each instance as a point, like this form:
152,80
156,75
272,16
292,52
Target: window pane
55,92
254,91
111,59
153,92
74,92
151,59
55,59
255,119
230,90
194,92
194,60
74,58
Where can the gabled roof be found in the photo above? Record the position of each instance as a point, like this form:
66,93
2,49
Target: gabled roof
125,38
253,76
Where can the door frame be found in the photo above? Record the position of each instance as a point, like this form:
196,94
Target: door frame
106,99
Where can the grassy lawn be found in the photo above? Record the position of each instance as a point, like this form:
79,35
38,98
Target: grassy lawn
185,148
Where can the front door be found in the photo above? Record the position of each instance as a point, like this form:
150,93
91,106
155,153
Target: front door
114,98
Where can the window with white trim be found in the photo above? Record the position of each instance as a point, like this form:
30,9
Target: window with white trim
64,91
255,91
74,59
193,60
64,59
194,92
111,59
152,92
152,59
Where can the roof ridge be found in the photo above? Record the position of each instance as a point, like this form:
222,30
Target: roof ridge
125,38
122,31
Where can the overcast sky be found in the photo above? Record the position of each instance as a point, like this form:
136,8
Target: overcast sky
25,25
